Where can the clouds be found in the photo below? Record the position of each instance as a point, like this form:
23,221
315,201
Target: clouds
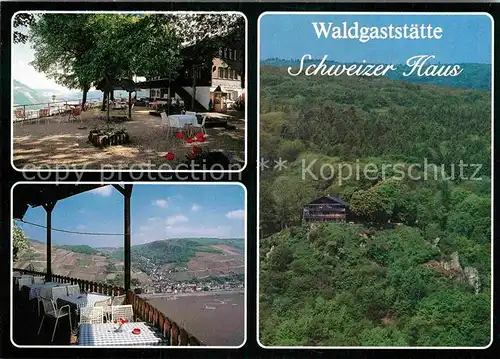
237,214
105,191
81,226
172,220
196,208
162,203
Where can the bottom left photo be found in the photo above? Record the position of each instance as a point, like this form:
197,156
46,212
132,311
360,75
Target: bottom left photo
128,265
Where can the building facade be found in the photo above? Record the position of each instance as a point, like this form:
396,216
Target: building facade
326,209
217,87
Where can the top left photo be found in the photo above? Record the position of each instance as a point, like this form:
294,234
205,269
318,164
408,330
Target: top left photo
129,91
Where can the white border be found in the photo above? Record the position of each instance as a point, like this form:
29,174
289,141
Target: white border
129,12
235,184
258,157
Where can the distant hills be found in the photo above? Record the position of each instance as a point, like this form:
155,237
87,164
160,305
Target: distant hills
474,76
25,95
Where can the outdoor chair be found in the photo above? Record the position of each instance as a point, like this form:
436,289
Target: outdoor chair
118,300
45,292
73,289
59,292
106,307
75,114
122,311
202,125
24,281
50,310
38,280
91,315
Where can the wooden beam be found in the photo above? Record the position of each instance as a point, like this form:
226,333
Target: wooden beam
127,194
48,210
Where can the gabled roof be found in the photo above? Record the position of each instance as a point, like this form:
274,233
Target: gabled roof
331,199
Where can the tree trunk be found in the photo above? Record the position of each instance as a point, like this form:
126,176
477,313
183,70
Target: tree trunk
84,97
112,95
104,98
193,99
129,105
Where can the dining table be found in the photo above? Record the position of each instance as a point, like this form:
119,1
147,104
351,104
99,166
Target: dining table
108,334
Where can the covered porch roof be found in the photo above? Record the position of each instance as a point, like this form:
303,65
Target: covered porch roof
47,195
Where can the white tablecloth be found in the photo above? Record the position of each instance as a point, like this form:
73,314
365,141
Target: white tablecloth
105,335
35,289
185,119
83,300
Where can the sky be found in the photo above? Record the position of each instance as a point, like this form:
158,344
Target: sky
22,55
157,212
465,39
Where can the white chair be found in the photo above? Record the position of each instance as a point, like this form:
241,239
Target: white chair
174,123
24,281
45,292
118,300
202,125
164,120
59,292
51,311
106,307
73,289
122,311
190,113
38,280
91,315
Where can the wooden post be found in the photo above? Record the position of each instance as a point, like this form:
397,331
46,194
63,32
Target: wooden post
48,210
24,112
127,194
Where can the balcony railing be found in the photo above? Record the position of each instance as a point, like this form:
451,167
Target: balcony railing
143,311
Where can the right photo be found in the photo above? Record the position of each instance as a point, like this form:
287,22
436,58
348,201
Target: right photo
375,180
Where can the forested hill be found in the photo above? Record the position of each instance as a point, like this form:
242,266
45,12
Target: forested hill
415,267
474,76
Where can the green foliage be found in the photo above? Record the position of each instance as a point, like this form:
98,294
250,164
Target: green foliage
19,240
80,248
381,281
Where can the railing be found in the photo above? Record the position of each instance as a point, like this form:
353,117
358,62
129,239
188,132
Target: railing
37,111
143,311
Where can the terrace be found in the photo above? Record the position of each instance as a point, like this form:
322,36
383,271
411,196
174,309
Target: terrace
27,297
58,137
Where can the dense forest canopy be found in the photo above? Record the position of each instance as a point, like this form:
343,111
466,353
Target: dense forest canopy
415,268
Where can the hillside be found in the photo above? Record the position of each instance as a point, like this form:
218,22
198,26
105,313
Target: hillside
474,76
414,269
25,95
337,287
183,258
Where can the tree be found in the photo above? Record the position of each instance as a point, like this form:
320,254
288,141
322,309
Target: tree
21,21
63,44
19,240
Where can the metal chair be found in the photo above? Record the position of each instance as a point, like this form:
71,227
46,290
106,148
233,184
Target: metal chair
122,311
202,125
59,292
73,289
22,281
51,311
91,315
38,280
45,292
106,307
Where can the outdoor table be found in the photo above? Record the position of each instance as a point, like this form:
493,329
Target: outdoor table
82,300
106,335
34,289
